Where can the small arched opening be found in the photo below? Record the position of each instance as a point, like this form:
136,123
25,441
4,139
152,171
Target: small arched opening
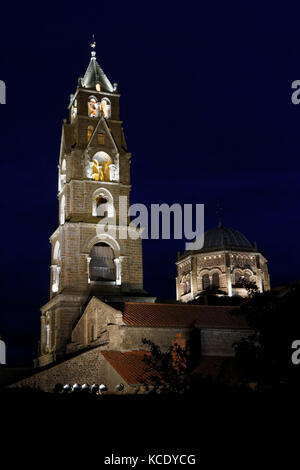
205,281
56,251
93,107
105,108
62,210
62,175
216,280
103,204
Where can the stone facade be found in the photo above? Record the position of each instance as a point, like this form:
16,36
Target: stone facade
93,188
219,269
98,312
102,328
90,366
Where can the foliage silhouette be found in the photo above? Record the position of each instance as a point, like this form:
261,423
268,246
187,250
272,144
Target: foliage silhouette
264,357
170,370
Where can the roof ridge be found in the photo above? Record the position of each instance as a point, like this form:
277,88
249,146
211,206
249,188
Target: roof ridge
181,305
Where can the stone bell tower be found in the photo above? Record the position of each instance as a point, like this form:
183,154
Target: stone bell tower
92,253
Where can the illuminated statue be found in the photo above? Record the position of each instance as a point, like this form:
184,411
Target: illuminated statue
96,170
104,172
105,108
93,107
101,167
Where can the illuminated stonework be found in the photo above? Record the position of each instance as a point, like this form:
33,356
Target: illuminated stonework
93,107
101,167
74,110
103,203
93,172
105,108
226,259
96,108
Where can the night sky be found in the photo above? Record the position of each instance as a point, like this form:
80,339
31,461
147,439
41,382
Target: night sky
206,104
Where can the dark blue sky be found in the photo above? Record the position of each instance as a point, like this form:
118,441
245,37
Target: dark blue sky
207,111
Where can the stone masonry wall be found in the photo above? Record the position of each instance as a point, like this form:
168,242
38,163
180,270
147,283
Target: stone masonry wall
218,342
88,367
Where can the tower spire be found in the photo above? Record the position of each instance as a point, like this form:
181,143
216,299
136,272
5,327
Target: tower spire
94,75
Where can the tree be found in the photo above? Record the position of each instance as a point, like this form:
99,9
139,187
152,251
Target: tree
169,371
264,357
250,286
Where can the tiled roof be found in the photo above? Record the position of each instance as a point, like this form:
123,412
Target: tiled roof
140,314
130,365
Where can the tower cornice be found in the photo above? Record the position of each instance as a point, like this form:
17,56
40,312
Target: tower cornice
93,92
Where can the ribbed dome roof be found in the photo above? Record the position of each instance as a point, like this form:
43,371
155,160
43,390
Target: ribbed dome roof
221,238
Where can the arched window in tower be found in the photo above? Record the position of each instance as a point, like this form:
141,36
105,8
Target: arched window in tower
74,110
56,251
102,166
205,281
103,204
105,108
92,107
62,175
62,210
216,280
247,277
55,277
55,267
47,339
90,131
102,266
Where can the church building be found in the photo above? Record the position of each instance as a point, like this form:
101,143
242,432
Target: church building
93,326
226,258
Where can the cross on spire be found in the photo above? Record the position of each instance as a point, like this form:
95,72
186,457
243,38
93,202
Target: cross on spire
93,45
94,74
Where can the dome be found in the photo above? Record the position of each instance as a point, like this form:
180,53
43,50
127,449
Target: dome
222,238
